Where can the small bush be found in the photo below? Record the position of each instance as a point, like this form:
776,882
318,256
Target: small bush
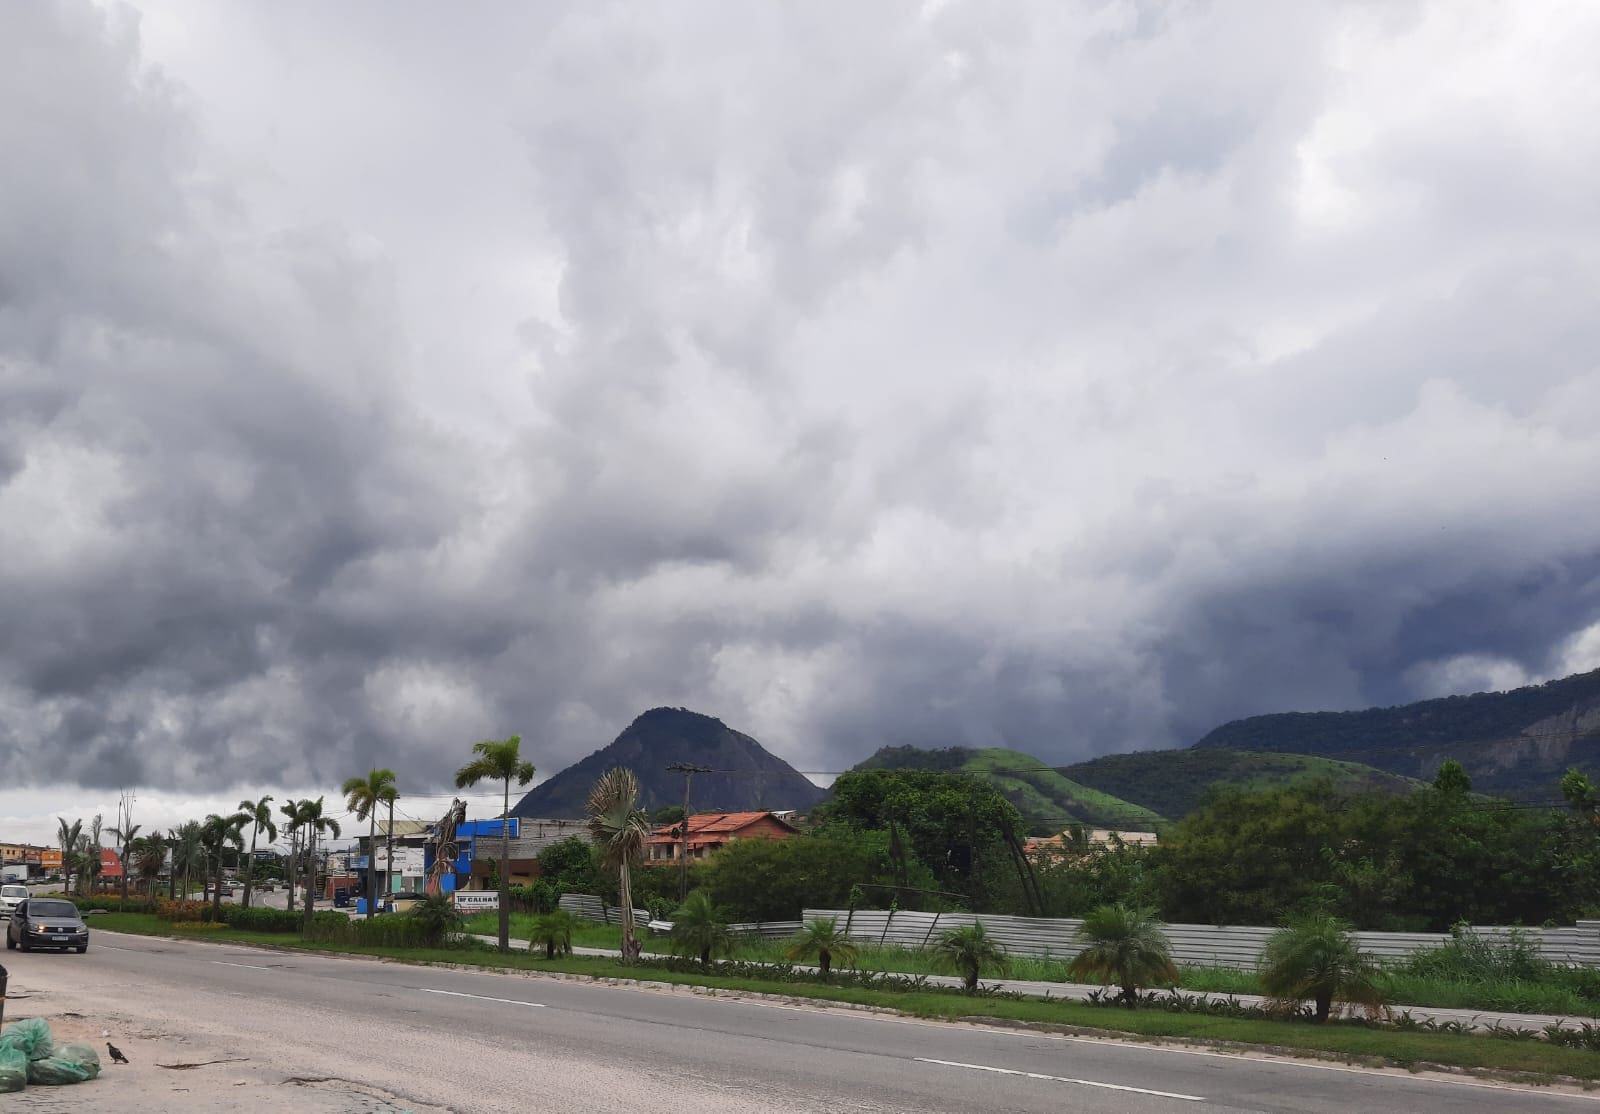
1472,957
181,911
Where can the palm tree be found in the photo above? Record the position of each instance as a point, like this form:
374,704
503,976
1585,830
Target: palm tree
291,828
188,848
1316,957
697,930
68,835
125,837
969,950
258,814
149,857
822,940
216,832
362,796
502,762
554,931
619,828
1124,946
314,824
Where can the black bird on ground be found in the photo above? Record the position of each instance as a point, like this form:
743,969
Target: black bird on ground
116,1054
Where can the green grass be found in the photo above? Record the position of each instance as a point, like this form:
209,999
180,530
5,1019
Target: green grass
1341,1040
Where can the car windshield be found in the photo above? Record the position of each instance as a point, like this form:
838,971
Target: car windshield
13,891
52,909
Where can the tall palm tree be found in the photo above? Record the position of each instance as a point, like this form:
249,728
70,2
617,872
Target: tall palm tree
68,835
290,811
969,950
1316,957
502,762
314,824
697,930
362,796
821,939
125,837
216,833
258,814
1125,946
619,828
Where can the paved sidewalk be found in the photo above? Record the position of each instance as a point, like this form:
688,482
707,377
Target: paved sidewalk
1475,1019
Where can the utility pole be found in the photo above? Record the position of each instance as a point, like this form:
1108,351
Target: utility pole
388,865
688,770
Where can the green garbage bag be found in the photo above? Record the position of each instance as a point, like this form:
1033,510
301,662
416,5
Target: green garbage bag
31,1037
13,1070
72,1063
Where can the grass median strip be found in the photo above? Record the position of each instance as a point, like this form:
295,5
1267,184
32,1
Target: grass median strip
1480,1053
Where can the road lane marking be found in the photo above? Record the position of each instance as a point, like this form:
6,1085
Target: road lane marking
252,966
1061,1079
484,998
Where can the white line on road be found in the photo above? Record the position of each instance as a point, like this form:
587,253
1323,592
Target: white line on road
252,966
484,998
1061,1079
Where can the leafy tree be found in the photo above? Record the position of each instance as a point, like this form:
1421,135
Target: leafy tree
822,939
502,761
619,829
698,930
1315,957
968,951
553,930
569,866
362,796
776,879
1123,946
1452,778
258,815
667,814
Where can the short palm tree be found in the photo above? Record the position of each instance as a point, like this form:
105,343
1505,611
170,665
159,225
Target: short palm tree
313,824
125,838
258,814
1124,946
822,940
149,857
500,761
697,930
619,828
69,835
362,796
1316,957
438,917
969,950
553,930
188,853
216,833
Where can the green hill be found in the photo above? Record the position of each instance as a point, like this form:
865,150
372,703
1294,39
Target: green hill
1047,799
1174,782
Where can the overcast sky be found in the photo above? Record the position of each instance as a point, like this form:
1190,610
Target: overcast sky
376,378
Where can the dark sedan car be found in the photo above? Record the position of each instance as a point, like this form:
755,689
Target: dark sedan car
46,922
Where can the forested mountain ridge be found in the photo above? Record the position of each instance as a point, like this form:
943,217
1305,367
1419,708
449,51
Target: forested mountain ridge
1516,743
747,776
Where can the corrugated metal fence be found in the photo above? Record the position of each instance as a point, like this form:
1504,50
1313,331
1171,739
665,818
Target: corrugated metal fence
1194,945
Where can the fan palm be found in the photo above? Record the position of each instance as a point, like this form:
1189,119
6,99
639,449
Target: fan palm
500,761
554,931
68,835
822,940
969,950
258,814
362,796
125,837
1316,957
697,930
619,828
1125,946
313,824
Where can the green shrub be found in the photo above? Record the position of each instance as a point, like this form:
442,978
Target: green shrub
1472,957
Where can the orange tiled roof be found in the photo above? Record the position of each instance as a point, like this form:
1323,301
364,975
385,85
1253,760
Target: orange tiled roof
705,827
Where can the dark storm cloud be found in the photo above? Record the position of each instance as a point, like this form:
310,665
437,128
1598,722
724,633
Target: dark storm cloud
1070,379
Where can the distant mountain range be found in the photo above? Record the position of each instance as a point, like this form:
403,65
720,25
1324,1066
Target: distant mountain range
1513,744
748,776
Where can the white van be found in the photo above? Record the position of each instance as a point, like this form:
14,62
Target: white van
469,902
13,896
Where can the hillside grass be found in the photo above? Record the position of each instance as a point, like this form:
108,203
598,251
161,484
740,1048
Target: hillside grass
1042,792
1347,1041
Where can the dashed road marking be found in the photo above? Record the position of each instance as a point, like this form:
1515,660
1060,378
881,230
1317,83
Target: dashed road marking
1061,1079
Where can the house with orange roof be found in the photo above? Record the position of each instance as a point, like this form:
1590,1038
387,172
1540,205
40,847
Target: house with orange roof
709,831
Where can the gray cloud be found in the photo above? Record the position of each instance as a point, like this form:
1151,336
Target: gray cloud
372,381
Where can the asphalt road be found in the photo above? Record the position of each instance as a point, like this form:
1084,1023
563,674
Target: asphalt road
489,1042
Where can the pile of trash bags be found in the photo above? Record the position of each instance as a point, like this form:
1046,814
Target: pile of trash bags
28,1054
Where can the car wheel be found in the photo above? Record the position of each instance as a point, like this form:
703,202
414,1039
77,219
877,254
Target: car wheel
11,945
